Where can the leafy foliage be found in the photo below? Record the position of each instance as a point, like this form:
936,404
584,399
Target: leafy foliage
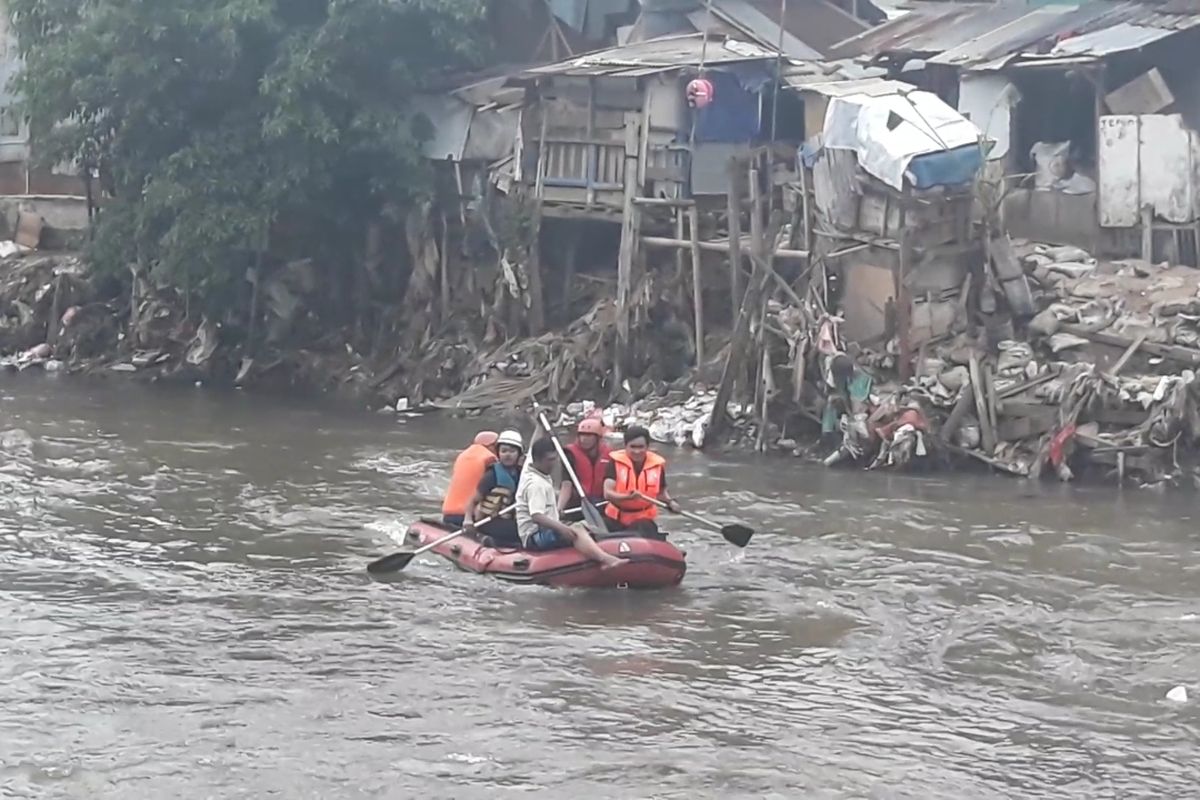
213,123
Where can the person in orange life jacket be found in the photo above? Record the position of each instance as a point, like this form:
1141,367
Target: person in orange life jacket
635,471
469,467
589,456
538,519
497,491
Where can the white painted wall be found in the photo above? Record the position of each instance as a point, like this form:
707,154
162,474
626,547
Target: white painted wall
987,100
1148,160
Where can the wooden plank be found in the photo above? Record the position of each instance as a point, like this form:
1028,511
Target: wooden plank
989,388
961,407
1184,355
717,246
981,408
1128,354
1013,391
1004,259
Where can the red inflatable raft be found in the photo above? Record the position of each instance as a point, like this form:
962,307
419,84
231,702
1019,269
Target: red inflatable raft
651,563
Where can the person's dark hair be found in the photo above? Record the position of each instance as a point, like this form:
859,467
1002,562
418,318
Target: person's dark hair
541,448
635,432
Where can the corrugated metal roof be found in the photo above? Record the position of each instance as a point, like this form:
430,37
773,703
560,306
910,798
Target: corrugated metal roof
762,29
926,30
871,87
805,73
657,55
1122,36
1007,39
987,37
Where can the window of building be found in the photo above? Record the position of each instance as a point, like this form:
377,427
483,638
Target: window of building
10,122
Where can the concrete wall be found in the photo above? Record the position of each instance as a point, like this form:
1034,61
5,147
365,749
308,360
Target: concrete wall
66,221
1058,218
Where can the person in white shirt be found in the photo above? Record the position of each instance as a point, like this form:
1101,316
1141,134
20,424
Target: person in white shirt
538,522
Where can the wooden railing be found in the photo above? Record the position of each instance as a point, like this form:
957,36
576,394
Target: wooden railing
583,164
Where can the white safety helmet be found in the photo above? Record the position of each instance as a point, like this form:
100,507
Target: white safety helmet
512,439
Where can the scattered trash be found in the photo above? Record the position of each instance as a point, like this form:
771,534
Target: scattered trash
1178,695
126,367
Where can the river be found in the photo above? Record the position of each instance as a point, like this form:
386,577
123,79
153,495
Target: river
185,614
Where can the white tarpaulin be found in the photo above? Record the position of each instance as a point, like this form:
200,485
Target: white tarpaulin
888,131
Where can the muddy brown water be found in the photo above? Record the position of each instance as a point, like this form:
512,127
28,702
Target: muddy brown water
185,614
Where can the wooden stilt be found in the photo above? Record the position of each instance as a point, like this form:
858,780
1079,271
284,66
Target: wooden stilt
904,301
751,306
697,283
537,302
735,235
445,269
1147,234
630,225
569,264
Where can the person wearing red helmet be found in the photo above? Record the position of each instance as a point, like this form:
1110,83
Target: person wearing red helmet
589,457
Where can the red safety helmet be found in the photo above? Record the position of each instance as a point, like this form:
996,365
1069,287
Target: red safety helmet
592,425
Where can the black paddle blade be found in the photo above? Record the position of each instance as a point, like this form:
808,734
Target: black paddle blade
593,517
393,563
737,534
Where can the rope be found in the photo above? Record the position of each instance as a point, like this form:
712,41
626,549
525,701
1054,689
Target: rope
708,22
691,154
775,102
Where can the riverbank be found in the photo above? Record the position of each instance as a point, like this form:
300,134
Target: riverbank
1099,384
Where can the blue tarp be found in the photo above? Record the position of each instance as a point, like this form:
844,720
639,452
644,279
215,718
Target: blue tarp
733,114
947,168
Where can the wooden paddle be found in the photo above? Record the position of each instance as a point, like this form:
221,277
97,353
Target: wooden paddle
399,560
591,515
734,533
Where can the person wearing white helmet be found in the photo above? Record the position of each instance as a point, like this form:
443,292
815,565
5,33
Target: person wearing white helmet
497,491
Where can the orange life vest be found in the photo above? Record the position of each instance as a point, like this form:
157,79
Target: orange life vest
648,482
468,472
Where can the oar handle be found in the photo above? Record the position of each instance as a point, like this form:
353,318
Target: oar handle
688,514
475,523
562,455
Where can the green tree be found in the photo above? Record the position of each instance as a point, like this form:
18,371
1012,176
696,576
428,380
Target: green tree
213,123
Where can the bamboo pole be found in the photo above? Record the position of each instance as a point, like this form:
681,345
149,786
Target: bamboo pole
715,247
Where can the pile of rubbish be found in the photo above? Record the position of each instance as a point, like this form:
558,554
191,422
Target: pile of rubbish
41,297
1102,379
681,417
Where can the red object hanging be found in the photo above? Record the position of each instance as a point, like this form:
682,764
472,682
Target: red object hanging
699,93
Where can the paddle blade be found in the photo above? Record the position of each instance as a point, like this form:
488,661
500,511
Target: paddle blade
737,534
593,517
391,563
